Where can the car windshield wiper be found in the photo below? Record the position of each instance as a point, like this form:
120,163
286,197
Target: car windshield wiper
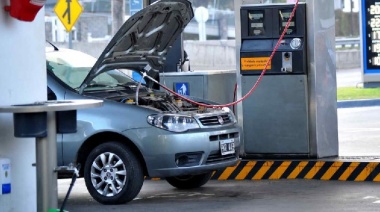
129,85
95,84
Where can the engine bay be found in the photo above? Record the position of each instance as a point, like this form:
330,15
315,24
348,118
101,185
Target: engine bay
157,100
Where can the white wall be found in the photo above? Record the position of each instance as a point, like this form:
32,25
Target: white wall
22,80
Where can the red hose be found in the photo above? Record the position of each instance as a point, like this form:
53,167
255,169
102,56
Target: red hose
258,80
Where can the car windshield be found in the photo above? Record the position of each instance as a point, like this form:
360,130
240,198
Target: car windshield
72,71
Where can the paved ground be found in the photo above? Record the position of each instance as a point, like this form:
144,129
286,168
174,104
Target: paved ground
349,77
359,131
358,121
264,195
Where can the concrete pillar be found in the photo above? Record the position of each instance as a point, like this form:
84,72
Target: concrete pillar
322,78
22,80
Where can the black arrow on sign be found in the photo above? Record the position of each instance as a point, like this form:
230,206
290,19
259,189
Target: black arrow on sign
67,12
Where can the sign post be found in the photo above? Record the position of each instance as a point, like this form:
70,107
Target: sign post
68,12
201,16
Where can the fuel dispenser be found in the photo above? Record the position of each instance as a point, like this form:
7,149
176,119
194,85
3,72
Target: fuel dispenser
279,119
282,95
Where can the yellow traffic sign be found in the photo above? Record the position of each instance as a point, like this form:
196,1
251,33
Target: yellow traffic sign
68,12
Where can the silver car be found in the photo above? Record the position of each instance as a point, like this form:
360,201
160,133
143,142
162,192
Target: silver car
139,131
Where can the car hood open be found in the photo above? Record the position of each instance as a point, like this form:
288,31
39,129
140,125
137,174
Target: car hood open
144,40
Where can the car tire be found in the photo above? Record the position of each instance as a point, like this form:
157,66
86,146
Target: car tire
189,181
113,174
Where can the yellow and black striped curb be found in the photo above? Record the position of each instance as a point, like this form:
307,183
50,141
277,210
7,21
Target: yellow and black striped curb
318,170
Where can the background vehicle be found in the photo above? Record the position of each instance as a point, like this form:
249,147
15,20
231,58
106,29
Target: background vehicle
139,131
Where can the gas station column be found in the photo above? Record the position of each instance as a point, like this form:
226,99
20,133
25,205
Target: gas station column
292,113
22,80
322,81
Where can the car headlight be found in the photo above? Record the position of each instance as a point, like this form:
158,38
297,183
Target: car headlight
230,114
174,123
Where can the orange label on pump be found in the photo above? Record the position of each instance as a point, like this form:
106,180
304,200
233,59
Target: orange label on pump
254,63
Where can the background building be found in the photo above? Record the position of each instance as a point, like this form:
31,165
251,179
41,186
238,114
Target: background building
94,29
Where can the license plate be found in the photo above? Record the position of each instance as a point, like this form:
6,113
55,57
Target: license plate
227,147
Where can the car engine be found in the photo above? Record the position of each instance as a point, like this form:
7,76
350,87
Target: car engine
157,100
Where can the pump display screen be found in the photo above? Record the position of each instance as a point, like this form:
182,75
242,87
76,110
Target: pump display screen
372,15
284,16
256,23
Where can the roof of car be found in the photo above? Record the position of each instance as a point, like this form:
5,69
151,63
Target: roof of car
69,56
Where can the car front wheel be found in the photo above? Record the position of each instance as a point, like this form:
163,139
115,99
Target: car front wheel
189,181
113,174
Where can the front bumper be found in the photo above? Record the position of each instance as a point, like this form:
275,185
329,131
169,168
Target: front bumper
163,151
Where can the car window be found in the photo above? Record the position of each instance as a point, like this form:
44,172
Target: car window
72,71
71,76
135,75
111,79
71,67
